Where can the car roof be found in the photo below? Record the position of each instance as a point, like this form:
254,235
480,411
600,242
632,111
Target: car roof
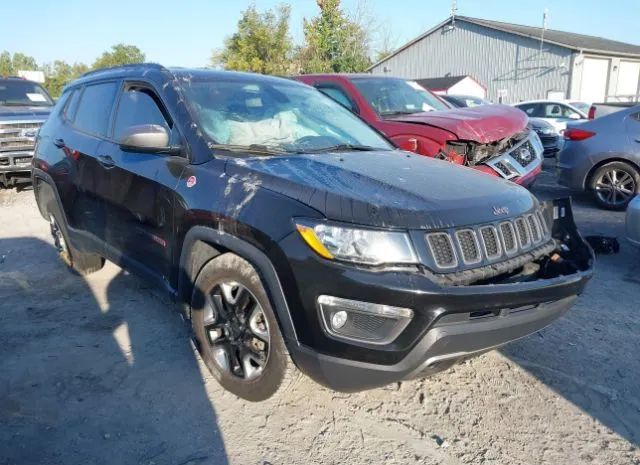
351,76
154,69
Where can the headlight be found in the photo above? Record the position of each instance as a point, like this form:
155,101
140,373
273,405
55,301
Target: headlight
365,246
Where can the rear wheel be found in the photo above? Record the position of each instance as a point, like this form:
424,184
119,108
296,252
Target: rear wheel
615,184
81,262
236,330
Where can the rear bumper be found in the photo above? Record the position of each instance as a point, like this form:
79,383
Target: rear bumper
452,338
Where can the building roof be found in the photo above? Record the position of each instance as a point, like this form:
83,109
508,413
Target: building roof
568,39
440,83
579,42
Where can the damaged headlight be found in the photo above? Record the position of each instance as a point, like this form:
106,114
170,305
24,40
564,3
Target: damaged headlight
365,246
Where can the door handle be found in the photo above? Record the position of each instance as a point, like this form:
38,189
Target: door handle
638,139
59,143
106,161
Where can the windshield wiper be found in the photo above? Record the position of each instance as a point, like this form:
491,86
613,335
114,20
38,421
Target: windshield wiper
400,112
344,148
253,148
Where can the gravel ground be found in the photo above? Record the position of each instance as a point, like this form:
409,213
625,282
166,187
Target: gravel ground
98,370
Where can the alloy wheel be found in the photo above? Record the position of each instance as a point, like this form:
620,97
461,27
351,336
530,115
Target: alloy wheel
59,242
615,187
237,330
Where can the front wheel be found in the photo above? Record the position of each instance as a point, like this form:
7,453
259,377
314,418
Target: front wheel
236,329
615,184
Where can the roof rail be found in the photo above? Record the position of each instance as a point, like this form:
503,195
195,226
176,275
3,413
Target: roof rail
132,65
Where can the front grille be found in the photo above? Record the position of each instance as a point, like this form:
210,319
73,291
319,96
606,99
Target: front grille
469,248
23,160
508,237
525,154
442,250
16,136
523,233
488,243
535,230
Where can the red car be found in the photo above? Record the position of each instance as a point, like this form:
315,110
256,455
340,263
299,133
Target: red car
491,138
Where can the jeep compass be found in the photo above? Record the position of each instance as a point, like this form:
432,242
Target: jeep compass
297,238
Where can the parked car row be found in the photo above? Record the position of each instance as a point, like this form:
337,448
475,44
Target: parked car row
299,237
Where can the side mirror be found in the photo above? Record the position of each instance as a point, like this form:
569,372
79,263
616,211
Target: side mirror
147,138
574,116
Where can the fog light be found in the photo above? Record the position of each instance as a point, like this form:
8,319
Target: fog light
354,320
338,319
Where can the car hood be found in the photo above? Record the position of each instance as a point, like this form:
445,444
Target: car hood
385,189
482,124
12,112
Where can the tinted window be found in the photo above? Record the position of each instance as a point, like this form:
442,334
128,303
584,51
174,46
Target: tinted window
530,109
72,104
95,108
337,95
137,107
18,92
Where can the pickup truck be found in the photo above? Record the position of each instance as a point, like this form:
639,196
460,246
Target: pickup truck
494,139
24,107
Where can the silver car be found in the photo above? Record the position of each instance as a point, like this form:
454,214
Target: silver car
603,156
633,221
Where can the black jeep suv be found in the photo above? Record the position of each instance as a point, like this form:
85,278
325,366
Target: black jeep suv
296,236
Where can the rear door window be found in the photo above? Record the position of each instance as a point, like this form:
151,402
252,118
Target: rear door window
72,105
531,109
94,110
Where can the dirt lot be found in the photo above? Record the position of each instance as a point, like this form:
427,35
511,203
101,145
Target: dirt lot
99,371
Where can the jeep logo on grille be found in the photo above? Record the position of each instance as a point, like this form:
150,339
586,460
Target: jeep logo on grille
29,133
499,211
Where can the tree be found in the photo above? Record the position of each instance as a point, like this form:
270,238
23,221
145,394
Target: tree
60,73
120,54
10,65
262,43
334,42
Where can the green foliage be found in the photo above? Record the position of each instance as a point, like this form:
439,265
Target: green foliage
262,43
60,73
10,65
120,54
334,42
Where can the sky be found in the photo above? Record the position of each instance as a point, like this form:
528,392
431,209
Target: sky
184,33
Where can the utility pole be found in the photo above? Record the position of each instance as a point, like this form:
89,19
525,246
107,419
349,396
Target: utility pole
545,14
454,12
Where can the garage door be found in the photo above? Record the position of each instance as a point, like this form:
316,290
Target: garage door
628,77
594,80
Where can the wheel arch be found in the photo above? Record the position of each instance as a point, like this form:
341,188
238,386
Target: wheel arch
202,243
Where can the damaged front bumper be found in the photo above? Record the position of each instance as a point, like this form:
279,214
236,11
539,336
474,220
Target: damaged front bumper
447,321
522,162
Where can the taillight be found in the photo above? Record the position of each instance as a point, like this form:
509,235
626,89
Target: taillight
576,134
592,112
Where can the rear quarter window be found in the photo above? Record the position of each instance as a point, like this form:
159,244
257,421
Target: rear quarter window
94,109
71,104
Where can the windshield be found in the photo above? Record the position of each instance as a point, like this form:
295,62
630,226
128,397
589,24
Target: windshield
271,116
391,96
23,93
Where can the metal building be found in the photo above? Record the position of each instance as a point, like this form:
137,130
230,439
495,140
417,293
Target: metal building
518,63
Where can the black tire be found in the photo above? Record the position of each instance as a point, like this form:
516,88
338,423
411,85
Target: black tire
80,262
614,184
278,371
